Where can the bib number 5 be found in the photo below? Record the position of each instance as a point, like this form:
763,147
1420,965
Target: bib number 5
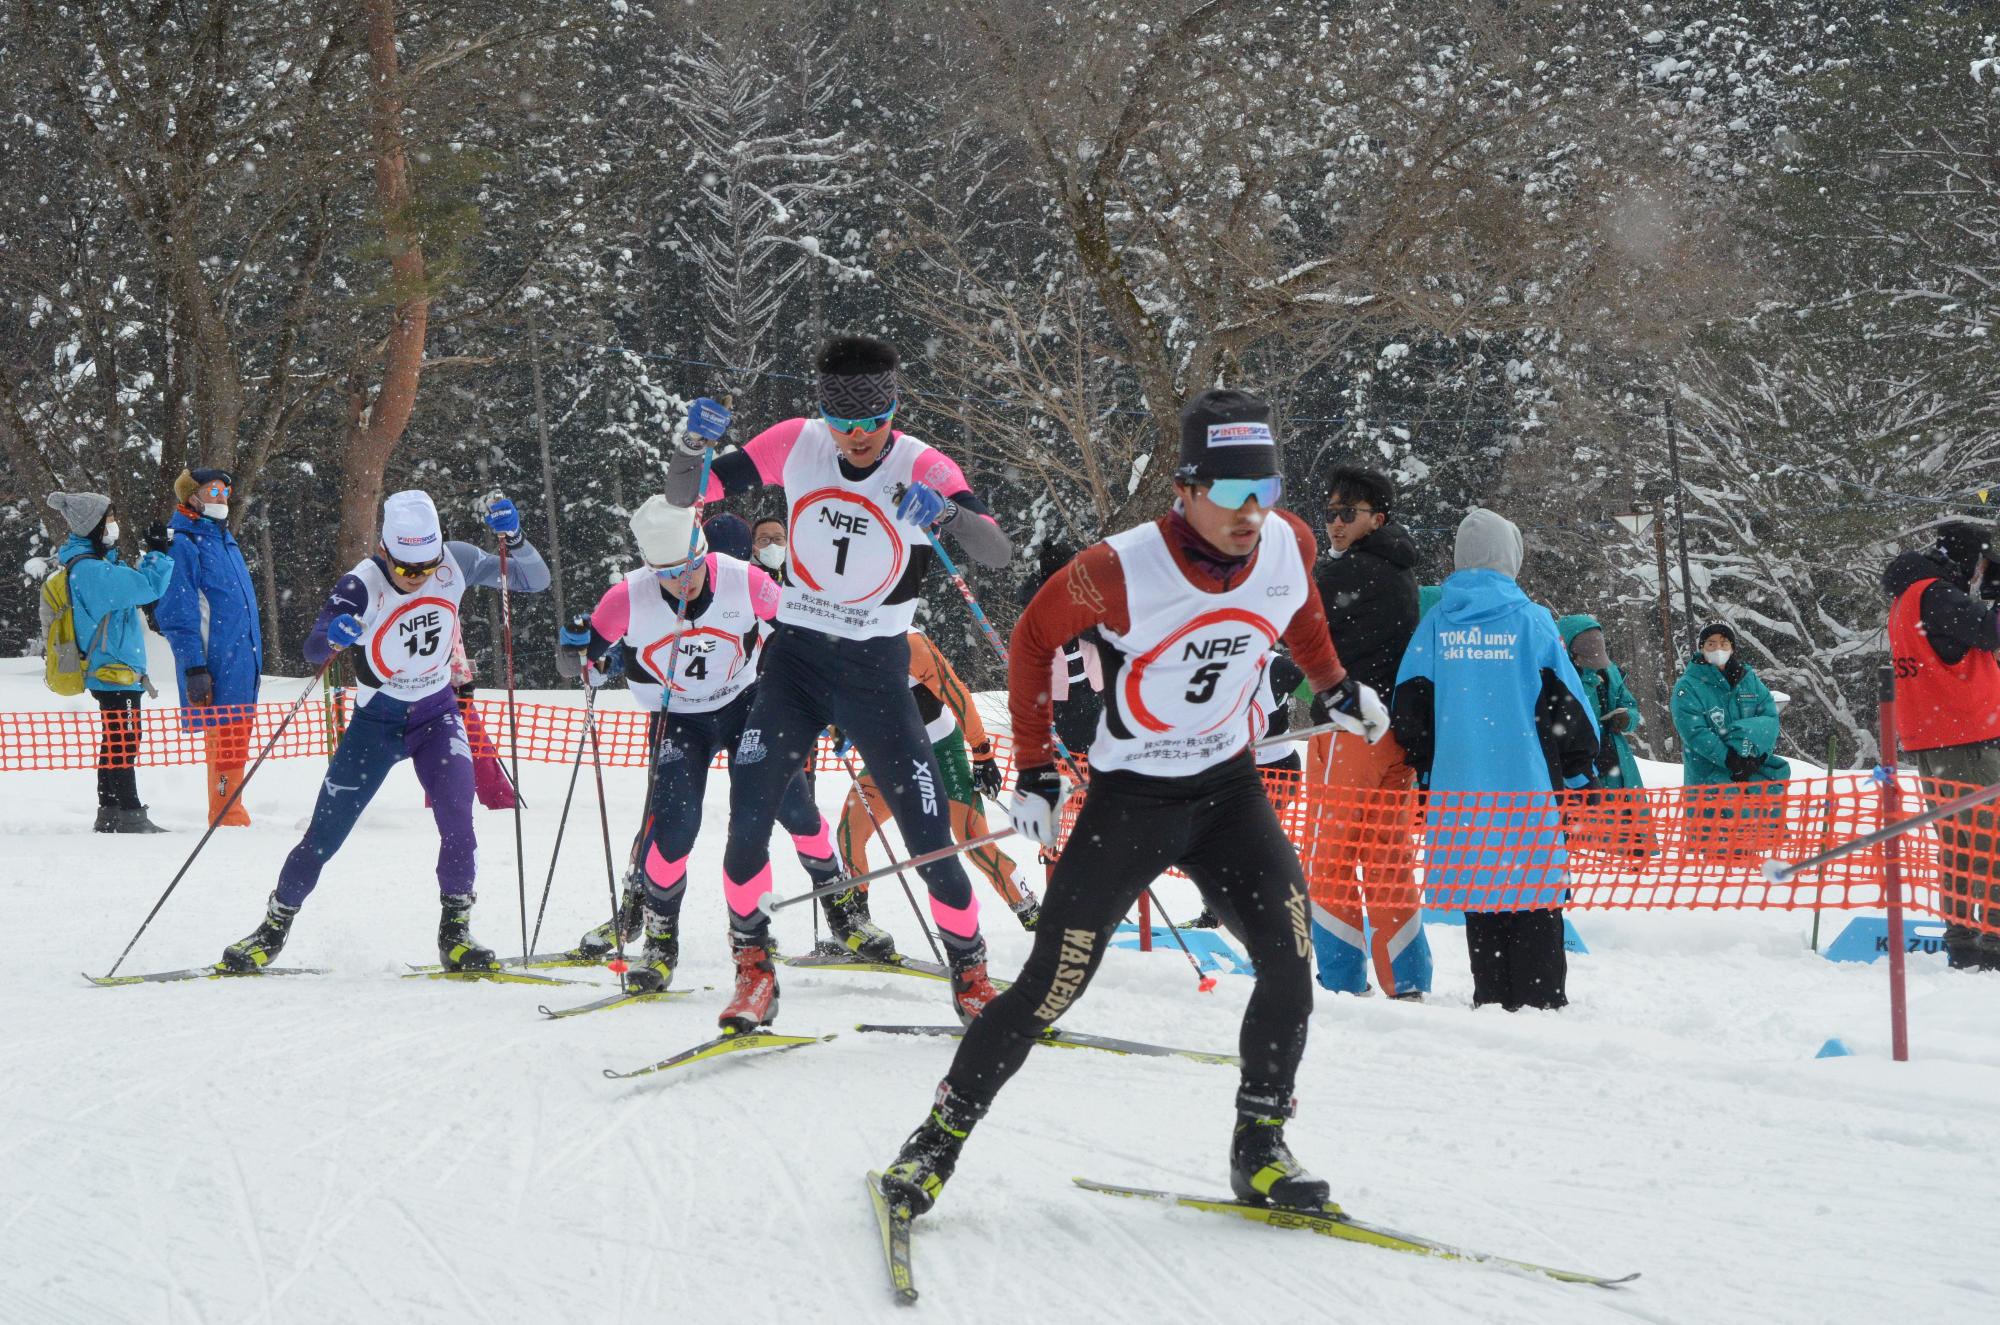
1201,686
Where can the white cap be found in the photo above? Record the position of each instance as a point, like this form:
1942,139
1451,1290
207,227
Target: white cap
410,532
663,531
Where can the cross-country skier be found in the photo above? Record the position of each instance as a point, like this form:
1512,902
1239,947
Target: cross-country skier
399,609
709,613
965,756
861,498
1184,611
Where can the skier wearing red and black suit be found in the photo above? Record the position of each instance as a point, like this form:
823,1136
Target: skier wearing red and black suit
1185,611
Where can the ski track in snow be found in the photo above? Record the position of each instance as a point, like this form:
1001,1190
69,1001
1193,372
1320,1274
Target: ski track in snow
358,1147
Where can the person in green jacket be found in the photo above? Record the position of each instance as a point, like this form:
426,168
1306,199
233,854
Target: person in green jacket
1617,711
1728,725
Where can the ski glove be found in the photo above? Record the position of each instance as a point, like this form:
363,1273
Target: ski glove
924,506
1356,708
158,538
707,420
343,630
986,776
1035,807
1742,767
200,687
504,520
575,633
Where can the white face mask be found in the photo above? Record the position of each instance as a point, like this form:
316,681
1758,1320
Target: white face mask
215,510
1717,657
772,555
110,533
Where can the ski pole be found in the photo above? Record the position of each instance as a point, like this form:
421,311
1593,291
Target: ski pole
1203,981
576,767
1777,871
619,966
882,836
227,805
767,905
514,743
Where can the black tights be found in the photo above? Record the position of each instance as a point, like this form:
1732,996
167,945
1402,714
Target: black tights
118,750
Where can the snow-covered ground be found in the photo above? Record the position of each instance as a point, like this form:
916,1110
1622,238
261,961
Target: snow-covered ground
364,1148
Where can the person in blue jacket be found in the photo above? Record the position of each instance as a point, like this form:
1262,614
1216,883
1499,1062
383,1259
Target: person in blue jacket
105,597
1487,700
209,616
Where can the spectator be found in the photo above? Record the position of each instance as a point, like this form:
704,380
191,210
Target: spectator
209,615
105,598
1617,711
1369,586
1728,725
767,545
1487,701
1943,632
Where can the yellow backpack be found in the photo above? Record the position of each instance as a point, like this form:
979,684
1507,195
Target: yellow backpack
62,662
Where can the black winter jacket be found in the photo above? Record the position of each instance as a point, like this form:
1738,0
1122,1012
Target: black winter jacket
1371,605
1954,621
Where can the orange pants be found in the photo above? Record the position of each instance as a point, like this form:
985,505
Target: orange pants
227,748
865,811
1365,834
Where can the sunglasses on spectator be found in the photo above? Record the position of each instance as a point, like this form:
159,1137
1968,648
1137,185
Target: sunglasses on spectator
869,424
404,571
1348,514
1231,493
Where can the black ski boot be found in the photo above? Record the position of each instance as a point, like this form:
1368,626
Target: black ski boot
600,942
925,1163
653,971
847,916
262,945
457,949
122,819
1261,1167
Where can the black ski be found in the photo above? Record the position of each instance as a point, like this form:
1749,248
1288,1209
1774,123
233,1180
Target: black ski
217,972
1076,1040
894,1221
618,1000
726,1043
1335,1223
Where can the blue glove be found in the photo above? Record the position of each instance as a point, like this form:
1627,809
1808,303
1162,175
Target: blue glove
708,419
575,633
502,518
921,505
343,630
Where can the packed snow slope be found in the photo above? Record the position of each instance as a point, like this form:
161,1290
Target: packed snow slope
359,1147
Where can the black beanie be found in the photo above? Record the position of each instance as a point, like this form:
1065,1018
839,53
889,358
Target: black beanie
1227,434
1715,628
1962,543
857,377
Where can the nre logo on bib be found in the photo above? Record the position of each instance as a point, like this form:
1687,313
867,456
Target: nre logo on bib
1200,677
844,546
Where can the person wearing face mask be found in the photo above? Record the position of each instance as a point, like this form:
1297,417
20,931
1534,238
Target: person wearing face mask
105,597
1944,630
767,545
397,610
209,615
1728,725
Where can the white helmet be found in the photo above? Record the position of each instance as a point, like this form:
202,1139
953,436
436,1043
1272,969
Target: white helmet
663,531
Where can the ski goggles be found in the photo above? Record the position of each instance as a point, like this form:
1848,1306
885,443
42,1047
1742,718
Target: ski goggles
869,424
1231,493
404,570
668,574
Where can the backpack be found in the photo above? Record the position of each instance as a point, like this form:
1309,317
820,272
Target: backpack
62,663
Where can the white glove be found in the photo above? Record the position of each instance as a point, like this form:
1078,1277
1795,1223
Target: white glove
1036,806
1355,707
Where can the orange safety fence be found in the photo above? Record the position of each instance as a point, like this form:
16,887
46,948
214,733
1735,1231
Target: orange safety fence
1658,848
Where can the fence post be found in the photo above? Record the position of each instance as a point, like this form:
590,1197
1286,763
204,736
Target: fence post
1145,922
1892,869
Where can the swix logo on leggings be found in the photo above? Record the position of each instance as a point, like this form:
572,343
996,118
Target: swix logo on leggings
926,784
1185,676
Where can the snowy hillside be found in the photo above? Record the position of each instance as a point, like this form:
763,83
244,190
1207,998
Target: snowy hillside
359,1147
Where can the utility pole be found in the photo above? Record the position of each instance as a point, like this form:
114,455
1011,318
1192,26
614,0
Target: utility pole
1680,522
548,470
1668,653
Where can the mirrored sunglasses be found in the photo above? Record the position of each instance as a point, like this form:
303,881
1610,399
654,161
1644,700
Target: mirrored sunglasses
859,425
403,570
1231,493
677,570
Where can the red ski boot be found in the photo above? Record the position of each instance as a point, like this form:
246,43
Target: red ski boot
971,991
756,1000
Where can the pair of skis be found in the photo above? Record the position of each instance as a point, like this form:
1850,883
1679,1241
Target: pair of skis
893,1219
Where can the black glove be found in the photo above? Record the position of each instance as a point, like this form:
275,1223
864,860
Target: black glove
986,775
158,538
1617,720
1607,758
1742,767
200,685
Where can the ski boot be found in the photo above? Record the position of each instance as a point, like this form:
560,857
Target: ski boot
1262,1170
1206,920
925,1163
1029,909
847,916
599,942
971,990
654,969
119,819
457,949
262,945
755,1002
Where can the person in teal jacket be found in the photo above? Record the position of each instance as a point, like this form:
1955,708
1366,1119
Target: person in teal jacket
1728,725
1617,711
105,597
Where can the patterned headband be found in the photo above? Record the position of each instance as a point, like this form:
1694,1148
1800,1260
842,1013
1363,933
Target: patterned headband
857,395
